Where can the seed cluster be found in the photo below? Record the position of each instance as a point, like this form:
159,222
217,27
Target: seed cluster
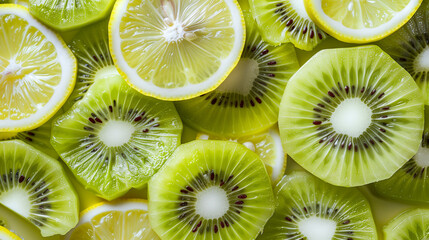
36,188
297,27
409,51
141,120
295,215
267,64
374,134
186,202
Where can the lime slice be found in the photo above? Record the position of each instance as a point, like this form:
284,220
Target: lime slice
267,145
361,21
7,235
123,219
174,50
37,71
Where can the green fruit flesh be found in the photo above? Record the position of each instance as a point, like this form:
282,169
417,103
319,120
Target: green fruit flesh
247,102
38,138
115,139
351,116
35,186
309,208
410,225
409,46
211,190
70,14
91,48
282,21
411,182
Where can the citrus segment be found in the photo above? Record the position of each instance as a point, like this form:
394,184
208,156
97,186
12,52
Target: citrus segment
175,49
361,21
37,71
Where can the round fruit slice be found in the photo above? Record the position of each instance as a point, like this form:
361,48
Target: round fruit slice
309,208
409,46
411,224
211,190
115,138
35,186
247,101
7,235
351,116
123,219
267,145
91,48
39,138
37,71
361,21
411,182
282,21
172,49
70,14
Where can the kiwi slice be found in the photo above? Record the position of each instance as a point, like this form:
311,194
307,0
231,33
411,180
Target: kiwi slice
351,116
311,209
67,15
248,100
35,186
411,182
38,138
115,139
210,189
409,225
91,48
282,21
409,46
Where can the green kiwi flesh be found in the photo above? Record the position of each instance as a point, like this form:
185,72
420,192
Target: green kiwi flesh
409,46
115,138
351,116
210,190
308,208
35,186
91,48
411,182
409,225
247,102
282,21
39,138
67,15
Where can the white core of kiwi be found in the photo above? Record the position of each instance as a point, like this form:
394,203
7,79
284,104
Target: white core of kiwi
352,117
421,63
317,228
212,203
422,157
238,79
116,133
17,200
299,7
106,71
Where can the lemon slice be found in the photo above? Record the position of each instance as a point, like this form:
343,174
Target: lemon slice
173,49
37,70
7,235
361,21
267,145
123,219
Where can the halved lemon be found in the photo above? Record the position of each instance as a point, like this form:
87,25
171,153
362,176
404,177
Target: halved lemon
122,219
267,145
361,21
5,234
174,49
37,70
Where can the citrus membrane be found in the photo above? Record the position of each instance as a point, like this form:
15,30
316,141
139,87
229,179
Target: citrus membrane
175,49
